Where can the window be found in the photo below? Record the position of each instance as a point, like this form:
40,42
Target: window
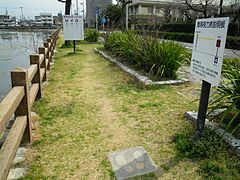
150,10
158,10
136,10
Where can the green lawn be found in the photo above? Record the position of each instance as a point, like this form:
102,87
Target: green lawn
91,107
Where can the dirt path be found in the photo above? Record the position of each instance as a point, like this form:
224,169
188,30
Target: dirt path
88,126
114,135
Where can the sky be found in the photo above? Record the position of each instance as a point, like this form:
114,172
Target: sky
33,8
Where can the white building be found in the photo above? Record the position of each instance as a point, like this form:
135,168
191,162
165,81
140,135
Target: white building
46,19
153,12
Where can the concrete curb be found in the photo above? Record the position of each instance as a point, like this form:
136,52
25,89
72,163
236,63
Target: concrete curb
144,79
230,139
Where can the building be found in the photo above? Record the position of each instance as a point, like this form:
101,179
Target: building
4,17
7,20
38,19
95,7
46,19
144,14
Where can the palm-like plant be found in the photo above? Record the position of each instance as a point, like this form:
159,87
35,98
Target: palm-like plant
161,60
114,14
227,95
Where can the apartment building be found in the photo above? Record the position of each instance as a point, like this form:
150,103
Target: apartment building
149,13
46,19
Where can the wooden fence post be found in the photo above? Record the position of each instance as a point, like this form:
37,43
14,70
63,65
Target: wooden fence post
46,45
50,41
35,59
44,65
19,77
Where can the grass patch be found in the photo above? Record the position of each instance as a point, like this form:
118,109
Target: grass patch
211,152
90,108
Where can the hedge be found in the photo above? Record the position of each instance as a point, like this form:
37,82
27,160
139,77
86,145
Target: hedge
233,29
232,42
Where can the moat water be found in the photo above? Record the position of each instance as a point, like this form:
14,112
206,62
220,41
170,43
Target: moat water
15,48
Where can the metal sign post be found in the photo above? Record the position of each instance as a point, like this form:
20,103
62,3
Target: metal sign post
73,28
202,109
207,59
97,15
74,47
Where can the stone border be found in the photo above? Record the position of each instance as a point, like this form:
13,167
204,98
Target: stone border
144,79
230,139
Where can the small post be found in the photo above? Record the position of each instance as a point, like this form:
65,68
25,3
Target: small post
44,65
49,40
19,77
74,46
52,43
34,59
46,45
203,106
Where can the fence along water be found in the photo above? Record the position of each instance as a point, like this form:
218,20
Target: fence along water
26,88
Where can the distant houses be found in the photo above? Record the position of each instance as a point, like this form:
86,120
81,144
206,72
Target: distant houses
7,20
151,14
45,20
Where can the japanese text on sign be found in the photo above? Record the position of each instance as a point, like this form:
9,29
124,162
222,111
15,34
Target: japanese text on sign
208,49
211,24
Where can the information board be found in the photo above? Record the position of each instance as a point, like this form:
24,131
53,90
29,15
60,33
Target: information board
73,27
208,49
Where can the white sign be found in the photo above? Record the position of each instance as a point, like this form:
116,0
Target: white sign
73,27
208,49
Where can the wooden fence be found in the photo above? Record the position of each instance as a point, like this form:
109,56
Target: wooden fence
26,88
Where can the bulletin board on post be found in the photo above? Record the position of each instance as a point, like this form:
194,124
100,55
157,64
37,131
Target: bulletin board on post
73,27
207,59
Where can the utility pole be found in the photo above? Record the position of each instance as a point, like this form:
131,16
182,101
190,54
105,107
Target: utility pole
22,13
127,17
6,11
77,6
82,4
220,7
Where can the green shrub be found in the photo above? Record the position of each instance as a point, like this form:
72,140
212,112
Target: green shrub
91,35
227,95
211,170
161,60
210,145
233,29
231,43
178,27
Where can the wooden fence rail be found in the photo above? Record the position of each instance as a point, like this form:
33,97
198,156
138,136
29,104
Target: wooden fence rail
16,106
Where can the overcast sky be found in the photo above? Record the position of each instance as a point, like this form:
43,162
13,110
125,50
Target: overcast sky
33,8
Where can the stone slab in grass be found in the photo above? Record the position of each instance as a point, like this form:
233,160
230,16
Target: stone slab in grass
131,162
144,79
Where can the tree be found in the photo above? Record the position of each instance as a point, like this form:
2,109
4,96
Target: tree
235,10
114,14
123,4
206,8
68,4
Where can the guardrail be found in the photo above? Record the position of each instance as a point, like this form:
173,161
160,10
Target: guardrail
26,88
